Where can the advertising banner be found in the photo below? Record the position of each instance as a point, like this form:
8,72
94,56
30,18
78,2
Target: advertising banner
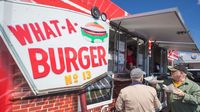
56,49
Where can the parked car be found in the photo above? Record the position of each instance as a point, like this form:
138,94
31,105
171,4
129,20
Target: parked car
195,75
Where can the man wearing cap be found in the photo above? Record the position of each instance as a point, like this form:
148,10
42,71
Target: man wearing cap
183,95
137,97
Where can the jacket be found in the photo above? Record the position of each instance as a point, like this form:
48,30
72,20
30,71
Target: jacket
137,98
190,102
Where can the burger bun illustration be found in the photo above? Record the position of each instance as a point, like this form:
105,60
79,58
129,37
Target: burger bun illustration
94,32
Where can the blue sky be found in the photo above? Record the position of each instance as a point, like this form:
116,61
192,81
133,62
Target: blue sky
189,9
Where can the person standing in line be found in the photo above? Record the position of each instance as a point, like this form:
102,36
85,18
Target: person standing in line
137,97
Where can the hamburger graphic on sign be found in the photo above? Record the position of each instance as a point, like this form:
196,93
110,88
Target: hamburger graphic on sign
94,32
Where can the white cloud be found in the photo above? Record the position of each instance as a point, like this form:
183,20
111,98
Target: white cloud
198,2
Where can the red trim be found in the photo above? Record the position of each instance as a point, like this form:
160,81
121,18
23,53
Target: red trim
59,3
94,33
5,79
105,6
83,101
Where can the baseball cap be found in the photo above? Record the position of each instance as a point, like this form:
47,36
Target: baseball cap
178,67
137,73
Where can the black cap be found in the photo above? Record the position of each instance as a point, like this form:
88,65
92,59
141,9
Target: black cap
178,67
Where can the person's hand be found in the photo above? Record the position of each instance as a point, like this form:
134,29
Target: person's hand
179,92
167,88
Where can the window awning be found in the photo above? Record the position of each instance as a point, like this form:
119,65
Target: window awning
165,27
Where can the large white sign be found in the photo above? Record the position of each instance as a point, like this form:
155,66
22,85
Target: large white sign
56,49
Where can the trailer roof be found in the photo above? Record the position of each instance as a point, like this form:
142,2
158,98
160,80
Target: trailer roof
166,27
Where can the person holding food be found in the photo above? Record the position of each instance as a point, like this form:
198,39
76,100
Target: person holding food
183,95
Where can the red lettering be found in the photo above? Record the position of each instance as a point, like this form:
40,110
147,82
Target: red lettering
70,26
48,30
72,59
101,55
86,57
21,33
93,56
37,32
43,62
35,63
53,61
55,23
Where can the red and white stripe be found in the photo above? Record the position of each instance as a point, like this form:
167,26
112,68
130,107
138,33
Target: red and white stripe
84,6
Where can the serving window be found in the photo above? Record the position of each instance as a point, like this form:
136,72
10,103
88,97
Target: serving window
125,52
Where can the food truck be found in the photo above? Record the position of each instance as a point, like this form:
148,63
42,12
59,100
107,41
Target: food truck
71,55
